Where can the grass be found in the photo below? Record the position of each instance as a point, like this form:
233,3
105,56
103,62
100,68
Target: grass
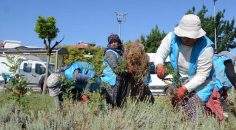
33,103
38,112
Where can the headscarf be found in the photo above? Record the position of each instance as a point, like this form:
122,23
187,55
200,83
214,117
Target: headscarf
115,38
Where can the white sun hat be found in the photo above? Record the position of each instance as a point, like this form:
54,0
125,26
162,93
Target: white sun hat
190,27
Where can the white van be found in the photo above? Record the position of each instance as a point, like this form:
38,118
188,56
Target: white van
32,70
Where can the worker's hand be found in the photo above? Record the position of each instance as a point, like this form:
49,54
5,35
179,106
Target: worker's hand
181,92
160,70
85,98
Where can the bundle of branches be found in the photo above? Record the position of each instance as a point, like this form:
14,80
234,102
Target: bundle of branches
136,62
136,59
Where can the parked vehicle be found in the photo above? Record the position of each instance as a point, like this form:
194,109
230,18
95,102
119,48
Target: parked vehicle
32,70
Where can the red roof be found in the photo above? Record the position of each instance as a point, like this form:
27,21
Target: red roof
84,45
81,46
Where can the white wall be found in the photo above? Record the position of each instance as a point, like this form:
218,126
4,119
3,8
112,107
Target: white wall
11,43
3,67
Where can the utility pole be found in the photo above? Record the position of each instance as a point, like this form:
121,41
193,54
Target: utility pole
215,24
121,17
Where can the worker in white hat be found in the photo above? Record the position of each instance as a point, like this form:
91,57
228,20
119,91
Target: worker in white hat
191,53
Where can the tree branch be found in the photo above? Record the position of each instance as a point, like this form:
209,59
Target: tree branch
57,43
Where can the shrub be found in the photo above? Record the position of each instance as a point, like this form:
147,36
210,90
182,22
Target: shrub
98,115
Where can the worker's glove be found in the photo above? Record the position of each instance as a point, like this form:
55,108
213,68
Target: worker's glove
84,98
181,92
160,70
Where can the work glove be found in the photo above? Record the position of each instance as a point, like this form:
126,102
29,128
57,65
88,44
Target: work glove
84,98
161,70
181,92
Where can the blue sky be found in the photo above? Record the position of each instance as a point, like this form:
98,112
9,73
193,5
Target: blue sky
94,20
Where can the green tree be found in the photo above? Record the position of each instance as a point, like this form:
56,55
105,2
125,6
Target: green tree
225,29
74,54
87,55
153,40
96,57
47,30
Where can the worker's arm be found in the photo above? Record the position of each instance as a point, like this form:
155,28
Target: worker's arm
163,51
81,77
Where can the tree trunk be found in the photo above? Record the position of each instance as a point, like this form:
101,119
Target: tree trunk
46,74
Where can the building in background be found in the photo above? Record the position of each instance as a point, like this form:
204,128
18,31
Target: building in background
83,45
9,44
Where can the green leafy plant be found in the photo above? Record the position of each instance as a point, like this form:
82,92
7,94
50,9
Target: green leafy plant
67,85
174,73
13,63
16,83
17,86
19,83
120,68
